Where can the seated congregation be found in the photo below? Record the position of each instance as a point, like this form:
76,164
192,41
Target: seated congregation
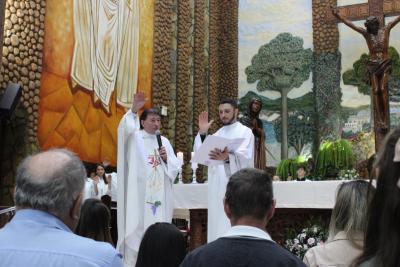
48,196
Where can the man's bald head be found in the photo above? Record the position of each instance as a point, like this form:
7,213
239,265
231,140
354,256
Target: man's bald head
49,181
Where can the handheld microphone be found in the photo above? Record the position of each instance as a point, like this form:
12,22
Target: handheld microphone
158,139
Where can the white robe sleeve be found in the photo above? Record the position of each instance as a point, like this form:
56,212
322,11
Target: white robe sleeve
128,126
242,157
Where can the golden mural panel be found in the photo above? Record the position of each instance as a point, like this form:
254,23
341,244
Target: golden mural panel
70,116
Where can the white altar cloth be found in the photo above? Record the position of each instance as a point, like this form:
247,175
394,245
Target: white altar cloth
292,194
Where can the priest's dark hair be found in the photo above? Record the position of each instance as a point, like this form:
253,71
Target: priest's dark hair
232,102
382,240
163,245
147,112
249,193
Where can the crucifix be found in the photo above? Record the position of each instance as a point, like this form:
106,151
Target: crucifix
376,34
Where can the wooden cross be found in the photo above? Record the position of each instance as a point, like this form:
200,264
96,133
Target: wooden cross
377,8
378,44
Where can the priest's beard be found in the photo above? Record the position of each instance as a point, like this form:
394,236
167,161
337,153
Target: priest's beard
231,121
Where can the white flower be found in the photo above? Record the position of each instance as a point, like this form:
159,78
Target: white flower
311,241
315,229
296,241
305,246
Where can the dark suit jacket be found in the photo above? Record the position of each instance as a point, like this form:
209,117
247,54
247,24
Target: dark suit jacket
243,252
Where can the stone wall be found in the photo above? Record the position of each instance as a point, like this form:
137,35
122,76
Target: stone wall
326,72
21,63
22,55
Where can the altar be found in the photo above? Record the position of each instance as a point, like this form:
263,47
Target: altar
296,202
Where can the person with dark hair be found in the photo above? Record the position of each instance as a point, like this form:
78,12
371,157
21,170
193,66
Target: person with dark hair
347,227
230,161
48,197
252,120
382,239
249,204
301,173
94,222
163,245
147,167
100,184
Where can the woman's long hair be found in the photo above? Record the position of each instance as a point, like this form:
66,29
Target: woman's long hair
104,174
163,245
94,221
350,211
383,232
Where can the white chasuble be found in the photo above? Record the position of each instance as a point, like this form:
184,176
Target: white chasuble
154,190
106,48
144,184
218,176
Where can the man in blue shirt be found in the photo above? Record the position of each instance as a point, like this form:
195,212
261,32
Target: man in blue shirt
48,197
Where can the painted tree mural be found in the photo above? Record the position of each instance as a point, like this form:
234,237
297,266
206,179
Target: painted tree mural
359,78
301,129
281,65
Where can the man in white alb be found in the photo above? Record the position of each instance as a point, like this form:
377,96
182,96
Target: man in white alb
218,175
146,172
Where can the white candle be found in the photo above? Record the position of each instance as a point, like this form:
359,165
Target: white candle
179,155
194,164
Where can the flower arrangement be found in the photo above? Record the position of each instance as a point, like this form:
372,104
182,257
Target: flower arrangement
308,238
363,146
351,174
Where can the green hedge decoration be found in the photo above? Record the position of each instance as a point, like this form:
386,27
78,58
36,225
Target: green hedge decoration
334,156
287,166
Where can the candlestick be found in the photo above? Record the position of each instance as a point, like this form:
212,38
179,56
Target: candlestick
179,155
194,166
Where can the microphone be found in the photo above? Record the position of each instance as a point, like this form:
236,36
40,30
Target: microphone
158,139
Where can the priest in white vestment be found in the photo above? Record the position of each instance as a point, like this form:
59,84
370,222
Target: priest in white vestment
145,176
232,161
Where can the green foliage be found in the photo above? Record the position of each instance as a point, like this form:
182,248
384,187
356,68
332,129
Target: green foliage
280,64
326,87
301,129
290,166
358,75
334,156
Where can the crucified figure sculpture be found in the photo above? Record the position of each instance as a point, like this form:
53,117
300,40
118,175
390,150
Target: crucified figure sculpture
378,66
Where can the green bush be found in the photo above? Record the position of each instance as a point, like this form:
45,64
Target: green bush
334,156
287,166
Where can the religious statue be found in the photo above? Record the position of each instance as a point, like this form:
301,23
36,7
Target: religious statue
378,67
251,119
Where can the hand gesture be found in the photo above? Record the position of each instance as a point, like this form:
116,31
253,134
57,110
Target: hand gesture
204,124
163,154
138,101
218,154
96,180
108,179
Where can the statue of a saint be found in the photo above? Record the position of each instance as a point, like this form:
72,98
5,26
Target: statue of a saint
378,66
251,119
